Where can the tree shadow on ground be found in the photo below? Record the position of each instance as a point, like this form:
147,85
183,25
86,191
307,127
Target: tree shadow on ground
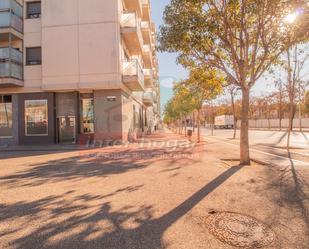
101,162
290,196
90,222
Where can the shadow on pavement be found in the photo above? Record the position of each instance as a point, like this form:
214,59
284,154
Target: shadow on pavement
92,226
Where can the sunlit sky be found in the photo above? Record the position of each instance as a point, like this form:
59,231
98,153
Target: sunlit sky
170,71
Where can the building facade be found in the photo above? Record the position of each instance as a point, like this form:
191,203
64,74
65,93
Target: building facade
73,71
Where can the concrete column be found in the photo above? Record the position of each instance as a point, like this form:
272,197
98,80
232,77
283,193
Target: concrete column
108,116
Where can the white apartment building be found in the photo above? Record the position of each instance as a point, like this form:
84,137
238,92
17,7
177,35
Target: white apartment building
77,70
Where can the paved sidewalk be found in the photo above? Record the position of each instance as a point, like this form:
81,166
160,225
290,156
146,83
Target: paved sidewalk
161,192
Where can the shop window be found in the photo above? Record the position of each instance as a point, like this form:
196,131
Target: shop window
87,115
34,56
33,10
36,117
6,116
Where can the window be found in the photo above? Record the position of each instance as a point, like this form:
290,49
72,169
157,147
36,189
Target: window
36,117
87,115
6,116
33,10
33,56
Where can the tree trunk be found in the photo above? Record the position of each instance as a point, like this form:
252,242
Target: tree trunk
193,122
291,99
234,115
235,128
198,125
185,126
244,130
300,121
290,126
280,109
299,103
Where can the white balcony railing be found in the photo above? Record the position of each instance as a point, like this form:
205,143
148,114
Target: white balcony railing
11,63
145,2
145,25
132,68
148,73
11,5
130,20
147,49
131,24
11,15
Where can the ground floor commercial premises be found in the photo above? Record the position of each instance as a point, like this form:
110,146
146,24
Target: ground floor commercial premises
74,71
73,117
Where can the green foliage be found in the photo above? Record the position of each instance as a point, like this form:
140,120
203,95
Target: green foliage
242,39
189,95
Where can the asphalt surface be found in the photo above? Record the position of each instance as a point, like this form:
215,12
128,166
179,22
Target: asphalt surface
269,146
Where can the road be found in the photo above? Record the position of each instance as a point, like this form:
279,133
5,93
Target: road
270,145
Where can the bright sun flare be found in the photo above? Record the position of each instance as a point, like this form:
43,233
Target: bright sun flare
290,18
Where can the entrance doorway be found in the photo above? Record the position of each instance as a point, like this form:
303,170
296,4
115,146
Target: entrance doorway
67,129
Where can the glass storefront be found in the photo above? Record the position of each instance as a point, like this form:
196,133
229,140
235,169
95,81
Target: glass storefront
6,116
36,117
87,115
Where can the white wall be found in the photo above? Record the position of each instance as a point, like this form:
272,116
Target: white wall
80,44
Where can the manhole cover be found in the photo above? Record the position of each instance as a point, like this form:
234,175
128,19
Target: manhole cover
239,230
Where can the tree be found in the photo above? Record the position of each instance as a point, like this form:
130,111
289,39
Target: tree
179,106
306,107
189,95
279,85
294,63
241,38
205,84
232,91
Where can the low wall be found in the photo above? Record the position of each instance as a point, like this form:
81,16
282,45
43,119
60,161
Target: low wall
274,123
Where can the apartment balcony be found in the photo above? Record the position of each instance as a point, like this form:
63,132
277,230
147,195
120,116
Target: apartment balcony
146,10
133,76
147,56
155,61
155,109
11,67
131,31
155,96
147,36
134,6
153,31
148,98
11,18
148,73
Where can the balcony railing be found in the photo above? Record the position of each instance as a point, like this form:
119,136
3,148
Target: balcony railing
10,20
145,25
11,6
131,29
11,54
129,20
11,15
148,97
134,5
132,70
148,73
11,63
145,2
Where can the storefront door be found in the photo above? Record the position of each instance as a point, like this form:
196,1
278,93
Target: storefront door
67,129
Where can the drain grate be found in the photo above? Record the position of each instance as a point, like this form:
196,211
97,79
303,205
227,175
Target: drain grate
239,230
